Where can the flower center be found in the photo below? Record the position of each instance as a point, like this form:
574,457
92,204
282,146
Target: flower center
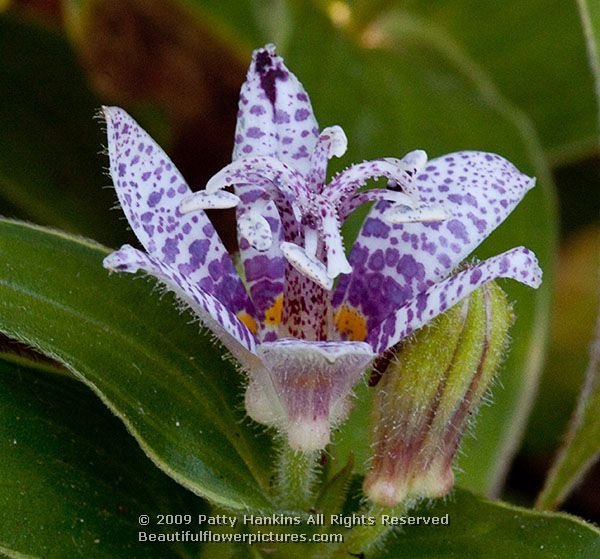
312,211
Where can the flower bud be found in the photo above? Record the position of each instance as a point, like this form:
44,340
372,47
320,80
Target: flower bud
432,387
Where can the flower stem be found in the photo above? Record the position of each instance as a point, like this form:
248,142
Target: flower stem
362,539
296,476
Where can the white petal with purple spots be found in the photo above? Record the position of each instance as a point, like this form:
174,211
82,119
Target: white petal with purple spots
275,117
222,322
519,264
476,191
150,190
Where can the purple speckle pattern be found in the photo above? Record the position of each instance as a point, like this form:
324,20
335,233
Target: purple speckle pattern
275,116
142,175
264,270
518,263
470,187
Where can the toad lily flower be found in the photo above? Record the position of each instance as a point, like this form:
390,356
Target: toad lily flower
302,342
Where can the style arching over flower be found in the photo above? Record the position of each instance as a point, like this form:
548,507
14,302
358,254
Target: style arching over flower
302,341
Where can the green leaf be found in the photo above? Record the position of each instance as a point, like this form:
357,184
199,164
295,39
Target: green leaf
582,442
154,369
74,483
590,19
548,79
481,528
22,355
50,168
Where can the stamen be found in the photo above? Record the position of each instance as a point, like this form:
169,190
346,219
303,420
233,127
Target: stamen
311,238
399,173
271,174
337,263
204,200
310,267
331,143
256,230
375,195
401,214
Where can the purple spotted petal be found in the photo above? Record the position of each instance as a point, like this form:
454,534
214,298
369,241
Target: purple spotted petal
314,382
519,264
150,190
394,263
222,322
275,117
264,269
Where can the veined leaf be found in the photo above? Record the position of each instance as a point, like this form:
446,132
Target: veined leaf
74,483
582,443
481,528
156,371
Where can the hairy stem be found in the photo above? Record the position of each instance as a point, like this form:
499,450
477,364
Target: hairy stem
296,476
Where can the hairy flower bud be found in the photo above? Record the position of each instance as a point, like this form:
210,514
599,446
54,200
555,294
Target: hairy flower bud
429,392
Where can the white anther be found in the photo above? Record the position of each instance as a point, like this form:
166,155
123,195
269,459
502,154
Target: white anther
337,263
203,200
416,159
410,165
256,230
401,214
338,142
310,267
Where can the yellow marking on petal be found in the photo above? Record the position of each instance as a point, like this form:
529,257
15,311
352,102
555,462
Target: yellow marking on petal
351,324
273,313
248,321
